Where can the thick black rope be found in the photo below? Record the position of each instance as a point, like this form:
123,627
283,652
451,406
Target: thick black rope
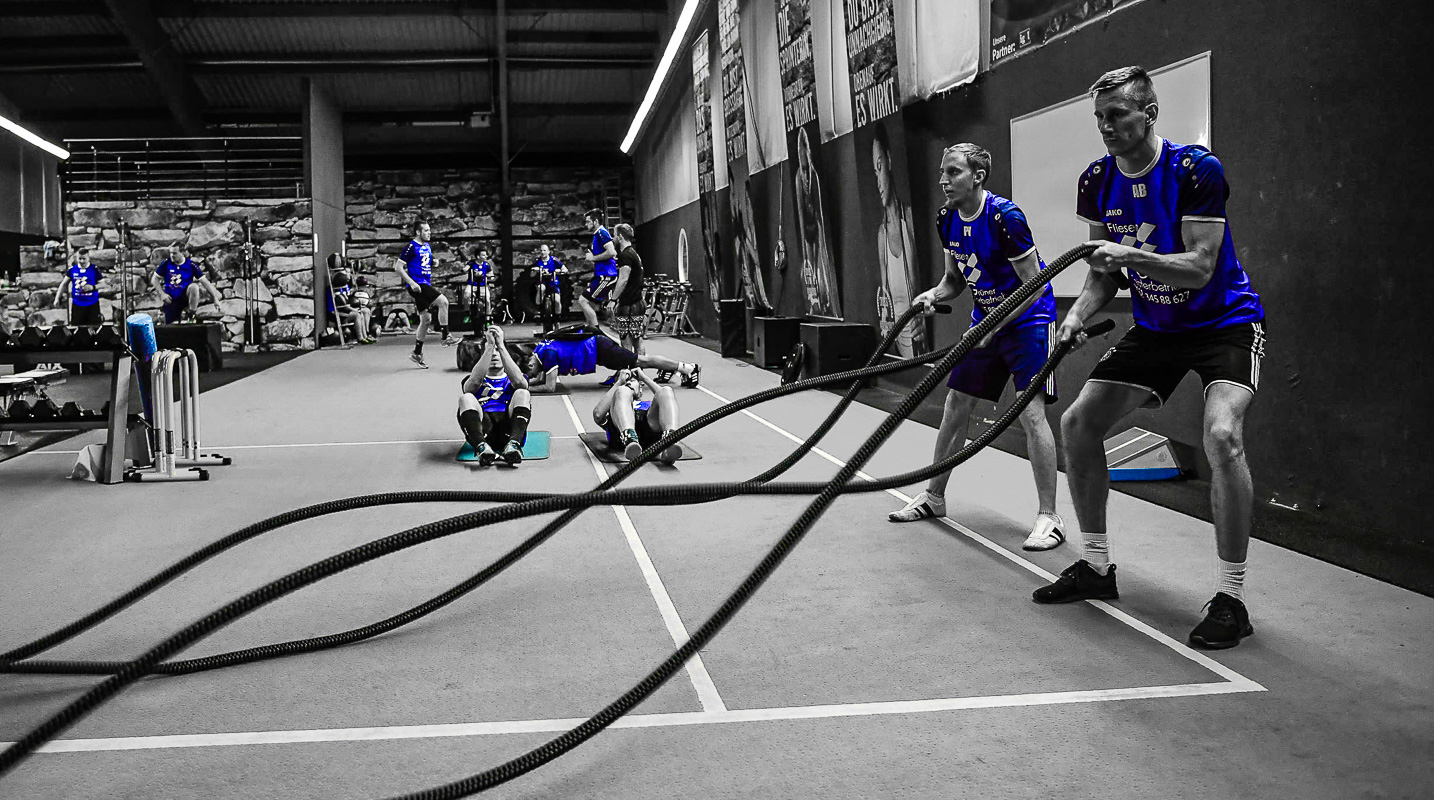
198,630
7,660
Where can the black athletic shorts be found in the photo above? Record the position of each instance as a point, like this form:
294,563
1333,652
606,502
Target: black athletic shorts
600,287
1157,362
500,429
612,355
424,297
175,305
646,435
86,315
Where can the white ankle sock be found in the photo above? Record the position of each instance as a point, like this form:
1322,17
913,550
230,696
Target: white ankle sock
935,495
1096,547
1231,578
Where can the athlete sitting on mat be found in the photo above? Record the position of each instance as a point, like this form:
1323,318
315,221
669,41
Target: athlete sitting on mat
177,280
633,424
577,350
495,403
989,247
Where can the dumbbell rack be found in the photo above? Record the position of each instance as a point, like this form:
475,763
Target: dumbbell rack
112,470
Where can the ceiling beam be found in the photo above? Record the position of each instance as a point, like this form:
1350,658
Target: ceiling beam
301,65
601,37
240,116
191,9
137,22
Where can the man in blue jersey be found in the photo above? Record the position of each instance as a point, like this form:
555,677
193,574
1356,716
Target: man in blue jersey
477,288
1157,210
578,350
988,247
82,281
547,287
495,404
633,424
414,266
603,256
177,280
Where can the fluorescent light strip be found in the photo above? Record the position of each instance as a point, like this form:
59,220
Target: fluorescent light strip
15,128
679,34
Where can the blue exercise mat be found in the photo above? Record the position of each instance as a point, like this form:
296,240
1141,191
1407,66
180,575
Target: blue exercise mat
534,449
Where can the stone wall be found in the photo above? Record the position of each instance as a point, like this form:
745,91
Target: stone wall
212,231
462,208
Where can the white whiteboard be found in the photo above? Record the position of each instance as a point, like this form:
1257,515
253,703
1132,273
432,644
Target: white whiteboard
1050,149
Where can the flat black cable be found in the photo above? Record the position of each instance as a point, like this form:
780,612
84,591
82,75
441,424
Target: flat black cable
314,572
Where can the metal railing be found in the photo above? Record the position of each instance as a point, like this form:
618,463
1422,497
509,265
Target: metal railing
183,168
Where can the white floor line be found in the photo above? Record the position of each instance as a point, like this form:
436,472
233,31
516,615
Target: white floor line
635,720
696,670
1183,650
292,445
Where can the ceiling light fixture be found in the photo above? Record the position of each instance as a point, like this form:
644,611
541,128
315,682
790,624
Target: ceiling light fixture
679,34
19,130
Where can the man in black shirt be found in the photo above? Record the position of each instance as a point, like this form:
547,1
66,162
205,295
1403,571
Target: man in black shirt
626,297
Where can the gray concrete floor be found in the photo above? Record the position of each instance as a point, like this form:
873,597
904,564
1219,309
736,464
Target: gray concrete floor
864,612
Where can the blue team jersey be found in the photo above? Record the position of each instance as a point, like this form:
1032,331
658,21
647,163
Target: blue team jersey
343,293
1185,182
983,248
495,394
571,357
178,277
79,276
550,267
478,273
608,268
417,258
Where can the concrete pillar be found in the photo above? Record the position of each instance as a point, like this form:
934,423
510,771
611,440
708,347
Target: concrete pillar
324,181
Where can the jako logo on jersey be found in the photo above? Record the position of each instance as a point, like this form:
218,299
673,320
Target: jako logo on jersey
1139,190
1114,212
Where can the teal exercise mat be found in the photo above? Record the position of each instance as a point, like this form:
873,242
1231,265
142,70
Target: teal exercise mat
597,443
535,449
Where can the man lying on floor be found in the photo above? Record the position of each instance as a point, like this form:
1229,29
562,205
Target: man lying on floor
495,405
579,350
633,424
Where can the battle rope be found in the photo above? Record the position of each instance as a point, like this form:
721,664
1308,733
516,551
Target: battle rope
145,663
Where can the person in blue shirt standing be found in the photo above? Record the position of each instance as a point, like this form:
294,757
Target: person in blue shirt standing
177,280
1157,210
82,281
988,247
547,287
415,268
603,256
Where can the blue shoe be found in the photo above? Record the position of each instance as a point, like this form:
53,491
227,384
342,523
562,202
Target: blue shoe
611,379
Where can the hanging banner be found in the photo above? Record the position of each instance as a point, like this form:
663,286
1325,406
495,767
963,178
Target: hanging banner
1020,26
799,107
746,250
871,54
881,180
706,167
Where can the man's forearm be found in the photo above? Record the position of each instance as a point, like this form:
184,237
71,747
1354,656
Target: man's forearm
1182,270
1098,290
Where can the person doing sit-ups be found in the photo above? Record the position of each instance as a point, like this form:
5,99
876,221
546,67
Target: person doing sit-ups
495,404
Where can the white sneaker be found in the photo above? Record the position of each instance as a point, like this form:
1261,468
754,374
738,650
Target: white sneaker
922,506
1046,534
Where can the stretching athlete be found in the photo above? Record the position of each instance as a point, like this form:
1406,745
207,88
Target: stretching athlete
1157,209
576,350
633,424
989,247
495,404
415,267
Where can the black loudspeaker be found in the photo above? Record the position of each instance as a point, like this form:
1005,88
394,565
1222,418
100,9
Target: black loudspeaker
836,346
774,338
732,318
201,337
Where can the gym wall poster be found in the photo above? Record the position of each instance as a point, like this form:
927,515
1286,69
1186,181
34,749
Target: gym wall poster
1020,26
706,168
746,250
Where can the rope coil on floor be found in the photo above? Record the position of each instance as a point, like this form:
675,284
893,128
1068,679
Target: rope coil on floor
150,661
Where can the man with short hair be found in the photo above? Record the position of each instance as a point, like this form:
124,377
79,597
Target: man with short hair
177,280
82,281
989,247
633,424
603,256
548,287
626,298
415,268
1157,210
495,404
579,350
478,290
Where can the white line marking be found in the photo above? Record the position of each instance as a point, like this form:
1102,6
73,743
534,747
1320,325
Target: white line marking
292,445
696,670
1203,660
637,720
1145,435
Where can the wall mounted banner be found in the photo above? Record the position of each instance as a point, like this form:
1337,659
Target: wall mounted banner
706,168
746,248
871,54
1020,26
734,75
814,252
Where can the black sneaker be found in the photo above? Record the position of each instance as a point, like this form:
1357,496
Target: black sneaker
1227,623
663,376
691,381
1080,581
512,455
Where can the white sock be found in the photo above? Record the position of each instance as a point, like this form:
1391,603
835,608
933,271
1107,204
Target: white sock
1096,547
935,495
1231,579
